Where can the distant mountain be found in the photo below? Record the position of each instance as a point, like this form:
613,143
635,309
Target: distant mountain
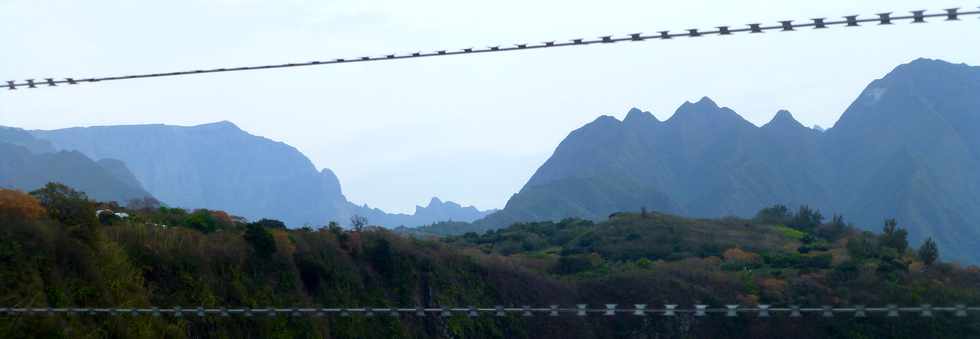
909,147
219,166
27,163
435,211
906,148
19,137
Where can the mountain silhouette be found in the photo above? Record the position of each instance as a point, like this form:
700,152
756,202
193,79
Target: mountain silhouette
29,163
219,166
906,148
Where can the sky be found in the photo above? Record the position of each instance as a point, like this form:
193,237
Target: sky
470,129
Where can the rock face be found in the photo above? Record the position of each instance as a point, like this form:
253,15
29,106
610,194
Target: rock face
215,166
219,166
27,163
906,148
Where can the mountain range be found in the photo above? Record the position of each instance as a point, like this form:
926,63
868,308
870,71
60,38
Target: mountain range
29,163
219,166
907,148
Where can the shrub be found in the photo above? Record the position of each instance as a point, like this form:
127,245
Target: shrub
576,263
790,232
777,214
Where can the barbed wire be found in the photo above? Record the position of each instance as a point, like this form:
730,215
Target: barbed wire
580,310
919,16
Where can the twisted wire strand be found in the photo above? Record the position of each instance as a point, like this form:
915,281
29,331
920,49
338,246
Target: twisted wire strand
887,18
581,310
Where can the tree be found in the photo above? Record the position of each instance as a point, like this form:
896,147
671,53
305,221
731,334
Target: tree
66,205
271,223
834,230
894,236
358,222
202,220
929,252
261,240
144,204
18,206
806,219
108,218
222,219
863,246
776,214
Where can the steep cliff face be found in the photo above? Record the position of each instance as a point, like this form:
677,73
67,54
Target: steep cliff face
219,166
215,166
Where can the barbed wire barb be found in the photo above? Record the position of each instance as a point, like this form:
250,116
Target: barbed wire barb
554,310
884,18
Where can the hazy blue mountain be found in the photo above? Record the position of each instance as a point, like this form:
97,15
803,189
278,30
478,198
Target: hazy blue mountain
439,210
219,166
907,148
19,137
435,211
27,163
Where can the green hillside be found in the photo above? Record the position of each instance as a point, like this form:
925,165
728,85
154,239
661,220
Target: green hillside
55,252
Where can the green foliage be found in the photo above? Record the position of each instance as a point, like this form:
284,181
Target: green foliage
864,246
270,223
797,260
806,219
66,205
260,239
894,237
660,257
776,215
576,263
790,233
929,252
202,220
834,230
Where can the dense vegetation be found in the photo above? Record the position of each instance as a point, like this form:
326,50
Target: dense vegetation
55,251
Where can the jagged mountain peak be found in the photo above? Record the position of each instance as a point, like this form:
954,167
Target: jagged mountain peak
906,148
783,120
703,105
436,203
637,116
706,113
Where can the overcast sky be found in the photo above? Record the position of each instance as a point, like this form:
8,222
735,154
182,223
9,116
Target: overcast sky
471,129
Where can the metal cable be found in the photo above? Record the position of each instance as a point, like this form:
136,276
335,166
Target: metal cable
580,310
919,16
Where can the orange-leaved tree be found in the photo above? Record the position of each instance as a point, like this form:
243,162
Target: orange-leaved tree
17,205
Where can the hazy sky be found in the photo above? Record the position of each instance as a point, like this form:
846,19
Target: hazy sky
470,128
